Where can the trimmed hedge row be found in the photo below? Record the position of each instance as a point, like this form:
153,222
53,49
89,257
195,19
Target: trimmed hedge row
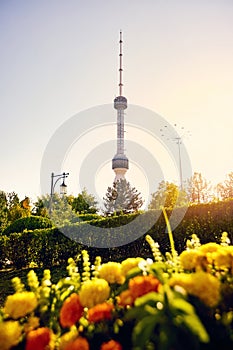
46,247
28,223
53,246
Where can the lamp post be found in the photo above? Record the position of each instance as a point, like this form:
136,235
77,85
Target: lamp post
178,139
63,187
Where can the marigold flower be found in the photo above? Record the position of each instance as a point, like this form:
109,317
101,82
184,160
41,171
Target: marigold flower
188,259
209,247
10,333
78,344
39,339
94,292
223,258
20,304
111,345
141,285
71,311
111,272
32,323
125,298
100,312
201,284
129,264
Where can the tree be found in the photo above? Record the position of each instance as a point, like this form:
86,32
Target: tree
61,210
17,209
84,203
121,197
11,208
168,195
225,190
198,189
3,211
40,208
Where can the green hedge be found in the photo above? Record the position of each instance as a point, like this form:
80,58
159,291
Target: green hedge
46,247
50,246
88,217
28,223
207,221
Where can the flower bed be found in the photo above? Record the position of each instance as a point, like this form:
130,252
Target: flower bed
172,302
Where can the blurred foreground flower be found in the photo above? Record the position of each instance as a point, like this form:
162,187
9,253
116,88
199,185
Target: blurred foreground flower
172,302
20,304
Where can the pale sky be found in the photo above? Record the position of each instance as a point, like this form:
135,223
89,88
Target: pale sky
60,58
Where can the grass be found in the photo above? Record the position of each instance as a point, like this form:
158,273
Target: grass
57,272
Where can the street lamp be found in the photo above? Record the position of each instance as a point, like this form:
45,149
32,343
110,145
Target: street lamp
178,139
63,187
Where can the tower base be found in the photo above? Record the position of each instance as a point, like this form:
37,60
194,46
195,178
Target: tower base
120,174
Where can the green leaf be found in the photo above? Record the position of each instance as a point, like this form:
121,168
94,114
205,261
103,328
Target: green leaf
179,305
133,273
193,323
136,313
151,299
144,330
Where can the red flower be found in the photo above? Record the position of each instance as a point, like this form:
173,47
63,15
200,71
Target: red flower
125,298
71,311
141,285
38,339
138,286
78,344
100,312
111,345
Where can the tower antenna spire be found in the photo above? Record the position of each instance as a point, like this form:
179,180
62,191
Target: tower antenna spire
120,69
120,163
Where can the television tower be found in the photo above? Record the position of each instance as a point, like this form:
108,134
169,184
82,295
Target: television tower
120,163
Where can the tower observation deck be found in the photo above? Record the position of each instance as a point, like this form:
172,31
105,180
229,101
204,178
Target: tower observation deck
120,163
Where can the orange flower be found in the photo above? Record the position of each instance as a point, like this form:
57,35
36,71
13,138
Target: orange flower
100,312
78,344
111,345
141,285
71,311
39,339
125,298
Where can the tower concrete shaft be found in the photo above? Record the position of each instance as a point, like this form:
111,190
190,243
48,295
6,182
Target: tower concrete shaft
120,163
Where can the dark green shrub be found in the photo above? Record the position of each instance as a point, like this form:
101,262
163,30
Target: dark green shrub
88,217
28,223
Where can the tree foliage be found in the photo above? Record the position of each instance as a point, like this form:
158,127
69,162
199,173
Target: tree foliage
122,198
168,195
84,203
11,208
59,210
3,211
198,189
225,189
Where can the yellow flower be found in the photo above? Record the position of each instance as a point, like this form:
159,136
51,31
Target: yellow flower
129,264
20,304
209,247
200,284
10,334
111,272
188,259
223,258
68,337
32,323
94,292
